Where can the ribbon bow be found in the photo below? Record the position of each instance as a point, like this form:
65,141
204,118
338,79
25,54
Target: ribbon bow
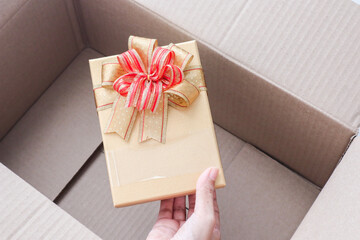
146,79
142,87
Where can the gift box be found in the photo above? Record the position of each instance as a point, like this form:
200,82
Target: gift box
157,132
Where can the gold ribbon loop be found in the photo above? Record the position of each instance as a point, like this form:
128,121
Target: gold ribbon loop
195,76
182,57
183,94
110,72
144,47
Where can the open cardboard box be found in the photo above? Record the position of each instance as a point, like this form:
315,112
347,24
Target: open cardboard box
285,85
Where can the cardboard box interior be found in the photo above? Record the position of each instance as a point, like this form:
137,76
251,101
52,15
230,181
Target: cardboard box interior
306,127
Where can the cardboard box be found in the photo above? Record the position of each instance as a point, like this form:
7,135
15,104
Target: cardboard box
148,171
281,75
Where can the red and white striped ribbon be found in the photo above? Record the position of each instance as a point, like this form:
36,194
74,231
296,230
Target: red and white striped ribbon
142,87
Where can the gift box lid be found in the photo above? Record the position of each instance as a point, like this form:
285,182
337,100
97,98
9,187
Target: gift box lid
147,171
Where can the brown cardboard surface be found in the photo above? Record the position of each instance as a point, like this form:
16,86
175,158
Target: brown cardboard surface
194,16
75,22
58,134
263,200
310,48
308,137
229,146
37,43
298,134
148,171
336,212
275,121
8,9
27,214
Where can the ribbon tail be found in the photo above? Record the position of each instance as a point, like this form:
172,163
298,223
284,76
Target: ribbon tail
121,119
153,124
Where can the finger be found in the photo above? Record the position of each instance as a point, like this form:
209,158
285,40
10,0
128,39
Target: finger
179,211
205,187
192,199
166,209
202,221
216,232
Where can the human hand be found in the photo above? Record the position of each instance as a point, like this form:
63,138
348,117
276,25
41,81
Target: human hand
202,221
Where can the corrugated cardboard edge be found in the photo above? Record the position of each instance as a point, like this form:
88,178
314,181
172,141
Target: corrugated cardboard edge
296,133
335,213
349,144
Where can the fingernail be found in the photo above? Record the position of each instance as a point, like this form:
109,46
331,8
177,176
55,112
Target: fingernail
213,173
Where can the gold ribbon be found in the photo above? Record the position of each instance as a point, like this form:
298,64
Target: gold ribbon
152,124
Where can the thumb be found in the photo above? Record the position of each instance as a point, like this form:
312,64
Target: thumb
201,224
205,188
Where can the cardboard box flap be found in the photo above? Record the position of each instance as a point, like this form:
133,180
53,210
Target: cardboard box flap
27,214
58,134
195,17
336,212
308,48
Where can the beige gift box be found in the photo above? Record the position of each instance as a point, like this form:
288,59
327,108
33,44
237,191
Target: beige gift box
148,171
